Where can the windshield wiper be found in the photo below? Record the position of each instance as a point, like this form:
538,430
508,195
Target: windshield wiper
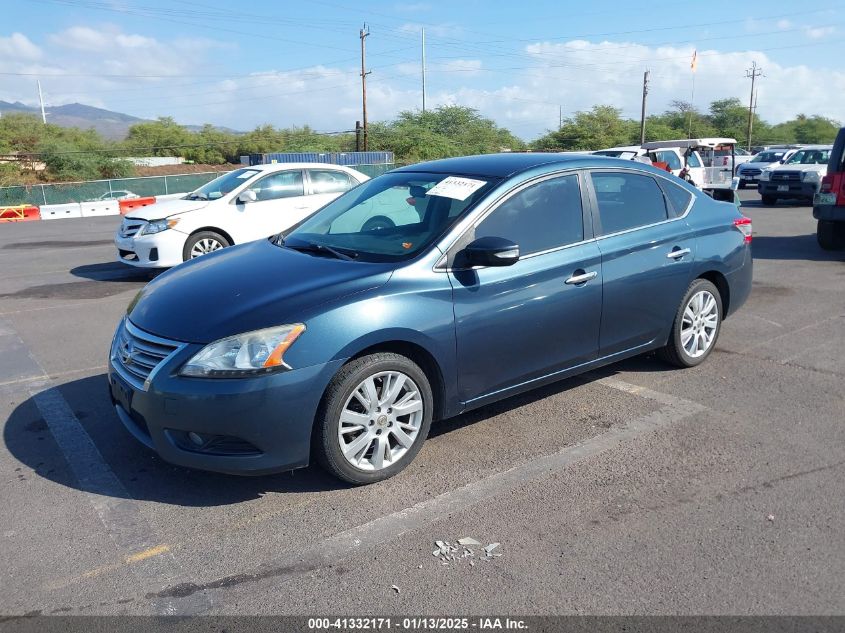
197,196
314,247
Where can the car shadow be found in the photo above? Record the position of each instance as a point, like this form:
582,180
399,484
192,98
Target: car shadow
781,204
114,271
792,247
143,475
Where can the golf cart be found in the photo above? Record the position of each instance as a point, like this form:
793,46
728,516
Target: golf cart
700,165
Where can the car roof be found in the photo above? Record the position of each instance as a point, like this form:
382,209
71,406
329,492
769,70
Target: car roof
690,142
815,147
623,148
505,164
282,166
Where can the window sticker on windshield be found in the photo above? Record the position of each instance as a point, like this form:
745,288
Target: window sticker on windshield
247,174
456,188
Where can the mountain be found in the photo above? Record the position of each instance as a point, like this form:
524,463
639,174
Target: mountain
111,125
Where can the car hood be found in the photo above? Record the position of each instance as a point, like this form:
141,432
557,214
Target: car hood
245,288
750,165
166,208
821,168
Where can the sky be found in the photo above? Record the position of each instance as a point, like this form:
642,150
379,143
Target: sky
522,64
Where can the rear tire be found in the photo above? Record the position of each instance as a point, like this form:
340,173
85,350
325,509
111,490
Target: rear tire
829,235
696,327
202,243
769,201
360,435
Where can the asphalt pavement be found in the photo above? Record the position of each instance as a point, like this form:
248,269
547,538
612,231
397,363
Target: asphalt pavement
637,489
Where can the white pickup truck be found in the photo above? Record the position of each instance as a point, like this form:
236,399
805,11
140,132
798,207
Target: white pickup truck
798,178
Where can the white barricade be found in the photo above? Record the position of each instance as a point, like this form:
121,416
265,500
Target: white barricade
99,207
59,211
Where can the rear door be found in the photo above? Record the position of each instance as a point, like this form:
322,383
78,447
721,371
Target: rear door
647,251
324,185
517,323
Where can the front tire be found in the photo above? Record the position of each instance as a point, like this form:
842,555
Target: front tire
202,243
696,326
373,419
742,184
769,201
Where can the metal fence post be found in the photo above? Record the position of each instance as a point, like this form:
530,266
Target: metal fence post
43,194
166,192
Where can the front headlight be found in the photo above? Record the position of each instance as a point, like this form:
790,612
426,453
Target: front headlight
766,174
810,176
157,226
258,352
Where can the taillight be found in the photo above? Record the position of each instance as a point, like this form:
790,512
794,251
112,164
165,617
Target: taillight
827,184
743,225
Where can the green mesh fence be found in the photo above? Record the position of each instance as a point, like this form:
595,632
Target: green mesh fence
61,193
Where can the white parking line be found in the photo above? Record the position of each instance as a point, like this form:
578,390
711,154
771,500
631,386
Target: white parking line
392,526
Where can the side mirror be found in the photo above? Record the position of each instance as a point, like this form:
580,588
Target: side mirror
491,251
246,196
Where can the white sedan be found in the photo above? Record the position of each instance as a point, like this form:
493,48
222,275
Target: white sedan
241,206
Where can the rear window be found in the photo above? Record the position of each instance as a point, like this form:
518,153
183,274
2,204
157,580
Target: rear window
679,198
627,201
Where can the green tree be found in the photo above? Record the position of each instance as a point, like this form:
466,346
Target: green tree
163,137
603,126
815,129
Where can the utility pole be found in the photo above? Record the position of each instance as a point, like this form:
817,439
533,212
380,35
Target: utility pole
559,116
752,74
642,115
364,33
41,99
423,68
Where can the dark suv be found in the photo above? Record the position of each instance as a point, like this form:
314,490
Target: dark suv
829,203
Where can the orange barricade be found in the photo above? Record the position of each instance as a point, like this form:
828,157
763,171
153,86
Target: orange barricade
19,213
131,204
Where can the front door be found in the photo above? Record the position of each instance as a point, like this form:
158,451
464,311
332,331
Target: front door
280,203
541,315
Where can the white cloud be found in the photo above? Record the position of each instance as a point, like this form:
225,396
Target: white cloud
437,30
19,47
784,24
816,33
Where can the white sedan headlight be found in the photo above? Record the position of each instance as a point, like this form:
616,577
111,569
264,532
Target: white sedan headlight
157,226
810,176
258,352
766,174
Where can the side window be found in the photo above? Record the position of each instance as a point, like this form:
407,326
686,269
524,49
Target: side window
679,198
627,201
542,216
670,158
692,160
329,181
283,184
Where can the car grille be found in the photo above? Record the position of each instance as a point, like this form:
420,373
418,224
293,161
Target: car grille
136,354
788,176
130,227
751,172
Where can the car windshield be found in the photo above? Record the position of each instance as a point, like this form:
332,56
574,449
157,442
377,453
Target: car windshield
810,157
767,157
389,218
222,185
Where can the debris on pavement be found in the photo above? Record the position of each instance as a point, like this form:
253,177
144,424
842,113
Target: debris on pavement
771,517
396,589
448,553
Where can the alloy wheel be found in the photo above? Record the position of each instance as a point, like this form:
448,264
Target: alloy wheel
699,324
380,421
205,246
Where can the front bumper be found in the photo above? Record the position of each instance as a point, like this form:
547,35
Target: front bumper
160,250
789,189
829,212
248,426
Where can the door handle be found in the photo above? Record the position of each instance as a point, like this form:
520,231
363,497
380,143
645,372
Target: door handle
677,253
582,278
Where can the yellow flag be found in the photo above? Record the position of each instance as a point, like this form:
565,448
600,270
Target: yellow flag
694,63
